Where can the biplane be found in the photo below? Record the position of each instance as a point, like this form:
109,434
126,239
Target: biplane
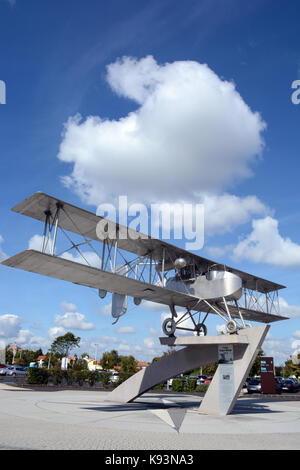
145,268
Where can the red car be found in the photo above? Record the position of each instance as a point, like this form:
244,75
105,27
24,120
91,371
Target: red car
208,380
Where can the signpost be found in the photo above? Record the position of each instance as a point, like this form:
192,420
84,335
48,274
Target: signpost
267,375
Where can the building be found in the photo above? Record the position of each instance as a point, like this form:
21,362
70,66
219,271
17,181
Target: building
142,364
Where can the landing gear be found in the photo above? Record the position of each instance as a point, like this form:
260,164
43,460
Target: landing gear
170,325
231,327
201,329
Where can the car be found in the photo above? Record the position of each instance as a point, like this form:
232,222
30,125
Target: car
289,385
278,385
295,381
208,380
114,377
201,379
3,369
254,386
247,381
16,371
279,378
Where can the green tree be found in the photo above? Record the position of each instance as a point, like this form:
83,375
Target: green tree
62,345
128,364
290,369
50,360
8,355
109,360
255,369
210,369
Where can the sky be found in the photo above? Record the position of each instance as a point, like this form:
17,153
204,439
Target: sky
164,102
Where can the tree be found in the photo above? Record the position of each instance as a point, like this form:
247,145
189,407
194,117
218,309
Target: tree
290,369
62,345
109,360
255,369
128,364
9,355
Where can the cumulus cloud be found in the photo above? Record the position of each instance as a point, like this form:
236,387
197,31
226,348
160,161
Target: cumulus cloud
265,245
56,331
11,332
73,320
90,258
10,325
291,311
191,131
223,213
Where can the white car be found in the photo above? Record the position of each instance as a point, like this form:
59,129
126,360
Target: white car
17,371
4,369
114,377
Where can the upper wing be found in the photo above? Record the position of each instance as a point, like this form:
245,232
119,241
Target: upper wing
60,268
83,222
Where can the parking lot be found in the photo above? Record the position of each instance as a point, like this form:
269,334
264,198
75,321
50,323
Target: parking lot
83,419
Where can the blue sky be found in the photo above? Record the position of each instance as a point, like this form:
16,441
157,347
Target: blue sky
53,59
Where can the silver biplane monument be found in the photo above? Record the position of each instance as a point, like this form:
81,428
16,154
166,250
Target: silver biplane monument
137,265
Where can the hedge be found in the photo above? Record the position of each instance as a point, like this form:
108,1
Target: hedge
191,385
57,376
178,385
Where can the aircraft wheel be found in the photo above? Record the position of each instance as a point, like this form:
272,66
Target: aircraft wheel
231,326
201,328
169,327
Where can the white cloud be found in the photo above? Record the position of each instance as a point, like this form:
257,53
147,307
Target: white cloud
36,243
73,320
68,307
124,347
189,125
291,311
223,213
89,258
11,332
265,245
10,325
27,339
56,331
126,330
3,255
109,339
106,309
149,343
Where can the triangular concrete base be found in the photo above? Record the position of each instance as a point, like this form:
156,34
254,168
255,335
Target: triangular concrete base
199,351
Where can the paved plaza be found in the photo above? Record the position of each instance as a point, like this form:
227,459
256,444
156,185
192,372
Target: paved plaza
83,419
